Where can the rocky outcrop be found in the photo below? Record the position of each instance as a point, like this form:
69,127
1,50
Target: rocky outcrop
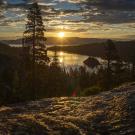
109,113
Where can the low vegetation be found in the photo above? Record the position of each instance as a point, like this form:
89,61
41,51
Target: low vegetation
109,113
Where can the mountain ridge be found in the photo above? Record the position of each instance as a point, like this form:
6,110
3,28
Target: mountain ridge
61,41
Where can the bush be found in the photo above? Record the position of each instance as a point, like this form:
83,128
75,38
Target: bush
91,91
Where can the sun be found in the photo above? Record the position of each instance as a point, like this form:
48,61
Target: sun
61,34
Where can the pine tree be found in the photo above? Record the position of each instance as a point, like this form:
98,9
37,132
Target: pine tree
34,49
55,61
111,53
111,56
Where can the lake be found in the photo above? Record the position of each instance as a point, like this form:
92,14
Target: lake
74,60
71,60
68,59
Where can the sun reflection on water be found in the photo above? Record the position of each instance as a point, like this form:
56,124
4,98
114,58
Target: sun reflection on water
69,59
61,60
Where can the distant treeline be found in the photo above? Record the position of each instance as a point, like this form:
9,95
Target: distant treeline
98,49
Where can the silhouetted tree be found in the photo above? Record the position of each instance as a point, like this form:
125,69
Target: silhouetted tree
111,57
34,49
84,78
34,40
55,61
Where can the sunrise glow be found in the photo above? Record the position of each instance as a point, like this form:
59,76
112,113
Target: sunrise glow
61,34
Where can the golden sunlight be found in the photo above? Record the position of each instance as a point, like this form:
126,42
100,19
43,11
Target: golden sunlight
61,34
61,53
61,60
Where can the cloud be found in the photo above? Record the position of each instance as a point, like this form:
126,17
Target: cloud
112,4
73,15
109,11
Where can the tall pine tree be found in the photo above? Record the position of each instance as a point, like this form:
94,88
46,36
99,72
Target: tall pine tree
34,48
111,55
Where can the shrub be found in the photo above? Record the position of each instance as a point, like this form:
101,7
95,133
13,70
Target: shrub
91,91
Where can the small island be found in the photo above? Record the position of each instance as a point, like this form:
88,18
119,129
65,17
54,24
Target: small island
91,62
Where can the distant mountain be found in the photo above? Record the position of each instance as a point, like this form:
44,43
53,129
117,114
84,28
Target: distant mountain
124,48
6,50
3,43
9,42
60,41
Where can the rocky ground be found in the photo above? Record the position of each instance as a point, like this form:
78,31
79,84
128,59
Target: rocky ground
109,113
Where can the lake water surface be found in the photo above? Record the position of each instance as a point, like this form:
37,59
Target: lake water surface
70,59
74,60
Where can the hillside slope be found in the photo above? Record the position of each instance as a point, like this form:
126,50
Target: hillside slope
108,113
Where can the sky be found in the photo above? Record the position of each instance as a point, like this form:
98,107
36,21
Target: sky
114,19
